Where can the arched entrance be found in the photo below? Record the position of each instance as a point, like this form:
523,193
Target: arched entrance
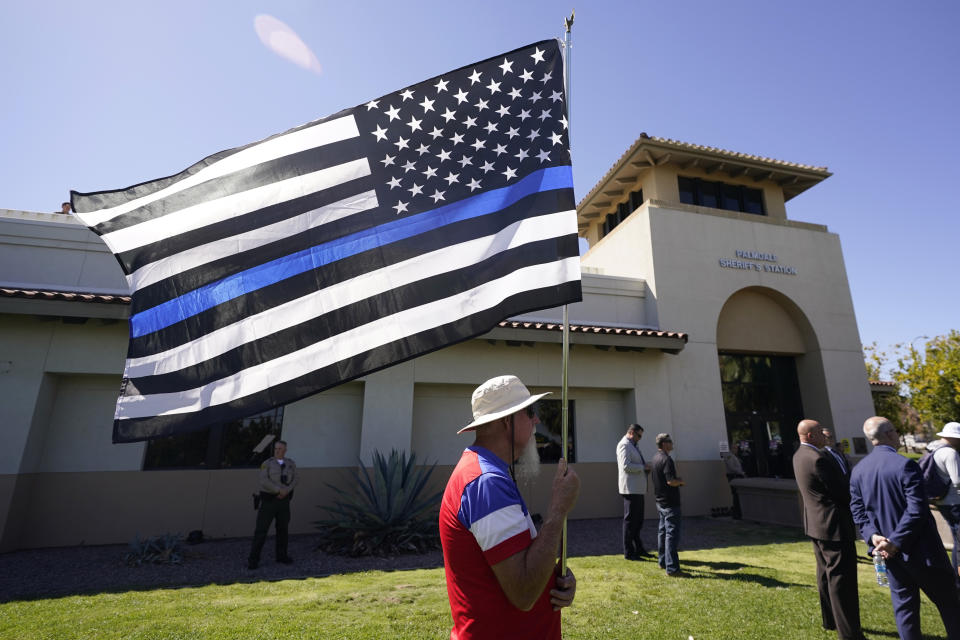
761,334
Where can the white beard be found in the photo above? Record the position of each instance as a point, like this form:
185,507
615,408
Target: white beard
527,467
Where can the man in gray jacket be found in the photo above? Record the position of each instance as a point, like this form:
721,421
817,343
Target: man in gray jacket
632,476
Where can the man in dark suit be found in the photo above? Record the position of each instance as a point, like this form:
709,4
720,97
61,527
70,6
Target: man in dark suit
829,524
890,507
836,453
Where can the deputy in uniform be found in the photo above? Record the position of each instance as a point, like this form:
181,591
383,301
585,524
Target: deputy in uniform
278,477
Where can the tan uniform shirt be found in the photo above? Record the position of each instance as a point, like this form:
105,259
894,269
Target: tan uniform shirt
270,475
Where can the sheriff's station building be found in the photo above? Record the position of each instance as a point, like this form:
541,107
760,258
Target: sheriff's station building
707,314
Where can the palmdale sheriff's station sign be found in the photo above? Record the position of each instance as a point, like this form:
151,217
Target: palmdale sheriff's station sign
744,261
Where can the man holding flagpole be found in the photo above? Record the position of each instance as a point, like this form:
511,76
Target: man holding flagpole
502,578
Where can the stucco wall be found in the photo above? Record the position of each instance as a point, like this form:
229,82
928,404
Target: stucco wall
324,430
112,507
62,480
74,258
678,252
67,483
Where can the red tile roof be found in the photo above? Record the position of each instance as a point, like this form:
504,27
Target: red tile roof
596,329
72,296
68,296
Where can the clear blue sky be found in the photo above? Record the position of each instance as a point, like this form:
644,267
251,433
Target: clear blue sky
104,94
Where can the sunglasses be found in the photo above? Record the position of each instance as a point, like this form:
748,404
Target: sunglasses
532,412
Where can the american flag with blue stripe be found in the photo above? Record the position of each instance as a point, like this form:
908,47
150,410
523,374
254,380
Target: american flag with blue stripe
267,273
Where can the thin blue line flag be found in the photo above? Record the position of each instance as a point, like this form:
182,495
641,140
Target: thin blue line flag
270,272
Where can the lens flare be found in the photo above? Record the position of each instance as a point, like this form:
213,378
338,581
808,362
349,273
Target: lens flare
284,41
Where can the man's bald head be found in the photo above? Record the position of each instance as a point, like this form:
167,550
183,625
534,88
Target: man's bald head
810,433
879,430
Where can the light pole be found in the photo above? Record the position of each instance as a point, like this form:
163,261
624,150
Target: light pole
927,426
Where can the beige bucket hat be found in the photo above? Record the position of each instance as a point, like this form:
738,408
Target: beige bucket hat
499,397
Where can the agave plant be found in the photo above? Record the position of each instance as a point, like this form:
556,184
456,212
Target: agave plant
385,511
162,549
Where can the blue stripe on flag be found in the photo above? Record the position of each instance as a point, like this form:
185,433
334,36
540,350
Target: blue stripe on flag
234,286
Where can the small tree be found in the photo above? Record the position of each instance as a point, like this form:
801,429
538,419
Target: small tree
890,404
932,378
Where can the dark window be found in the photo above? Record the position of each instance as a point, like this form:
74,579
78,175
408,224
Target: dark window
223,446
549,431
761,400
708,193
859,445
624,209
753,201
609,223
688,190
719,195
730,197
185,451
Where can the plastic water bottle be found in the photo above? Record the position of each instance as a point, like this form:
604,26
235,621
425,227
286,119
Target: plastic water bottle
880,566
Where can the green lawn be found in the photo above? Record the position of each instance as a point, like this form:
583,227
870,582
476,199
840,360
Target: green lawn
734,592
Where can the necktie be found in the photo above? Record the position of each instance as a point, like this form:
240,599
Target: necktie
642,461
836,456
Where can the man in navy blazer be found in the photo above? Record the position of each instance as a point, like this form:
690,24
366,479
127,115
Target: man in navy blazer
890,508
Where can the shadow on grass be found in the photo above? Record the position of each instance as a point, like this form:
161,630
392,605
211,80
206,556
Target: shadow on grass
27,596
739,576
62,572
725,532
877,633
721,566
46,574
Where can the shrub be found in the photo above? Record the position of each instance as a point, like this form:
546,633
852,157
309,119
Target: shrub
384,512
163,549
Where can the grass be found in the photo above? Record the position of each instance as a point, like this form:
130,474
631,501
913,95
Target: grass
751,591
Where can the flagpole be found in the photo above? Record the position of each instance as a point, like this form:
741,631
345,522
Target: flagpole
564,422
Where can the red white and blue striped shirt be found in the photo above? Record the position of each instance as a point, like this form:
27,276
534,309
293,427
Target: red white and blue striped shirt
483,521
